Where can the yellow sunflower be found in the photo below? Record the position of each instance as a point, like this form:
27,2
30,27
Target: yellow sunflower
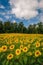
30,53
10,56
42,44
11,47
0,49
18,52
37,53
21,41
4,48
25,49
37,44
28,45
21,47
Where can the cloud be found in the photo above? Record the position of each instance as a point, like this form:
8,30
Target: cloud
1,19
2,13
1,6
41,4
24,8
41,8
6,16
41,17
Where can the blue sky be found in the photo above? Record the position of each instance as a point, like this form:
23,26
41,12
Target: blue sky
27,11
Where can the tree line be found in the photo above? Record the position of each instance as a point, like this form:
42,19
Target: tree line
10,27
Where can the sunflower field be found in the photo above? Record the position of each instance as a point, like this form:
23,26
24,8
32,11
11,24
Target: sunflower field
21,49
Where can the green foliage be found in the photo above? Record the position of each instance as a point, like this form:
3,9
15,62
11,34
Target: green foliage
25,60
9,27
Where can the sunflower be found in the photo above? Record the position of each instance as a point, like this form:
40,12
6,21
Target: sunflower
10,56
21,47
11,47
16,41
28,45
37,44
37,53
42,44
0,49
4,48
21,41
30,53
25,49
18,52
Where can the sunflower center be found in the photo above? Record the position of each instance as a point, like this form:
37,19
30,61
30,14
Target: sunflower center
10,56
25,49
3,47
17,51
11,46
37,44
37,52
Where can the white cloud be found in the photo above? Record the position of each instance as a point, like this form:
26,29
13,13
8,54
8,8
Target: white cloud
2,13
24,8
7,17
1,19
41,4
41,8
1,6
41,18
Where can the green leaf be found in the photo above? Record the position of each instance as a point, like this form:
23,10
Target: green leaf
21,61
2,56
36,64
25,59
7,63
40,60
17,63
3,63
16,57
31,60
11,63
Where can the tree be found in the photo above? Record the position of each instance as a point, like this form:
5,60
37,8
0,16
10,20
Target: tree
40,27
34,30
25,30
7,26
1,27
15,27
12,28
20,27
30,29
